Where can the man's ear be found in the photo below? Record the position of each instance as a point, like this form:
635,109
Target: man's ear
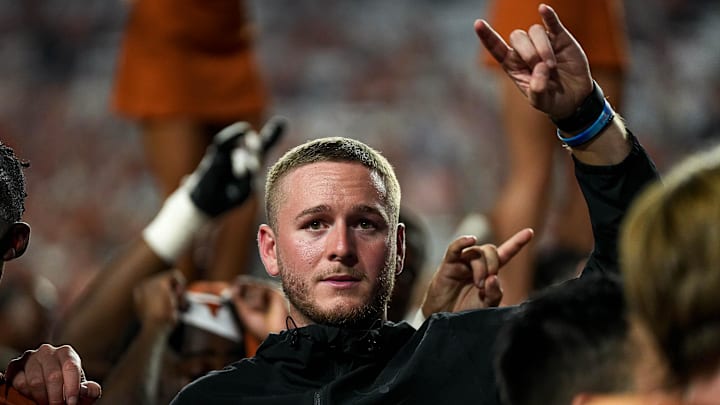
266,247
400,248
15,241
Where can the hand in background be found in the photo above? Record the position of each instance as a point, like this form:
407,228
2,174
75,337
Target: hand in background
467,277
159,298
223,179
261,306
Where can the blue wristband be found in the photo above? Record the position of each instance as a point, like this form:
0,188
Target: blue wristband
603,120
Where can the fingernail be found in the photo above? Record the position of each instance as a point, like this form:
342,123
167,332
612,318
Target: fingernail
72,401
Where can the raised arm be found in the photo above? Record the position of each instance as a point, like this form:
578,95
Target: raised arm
99,320
550,68
135,378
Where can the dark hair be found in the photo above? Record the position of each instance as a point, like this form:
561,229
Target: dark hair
12,185
568,339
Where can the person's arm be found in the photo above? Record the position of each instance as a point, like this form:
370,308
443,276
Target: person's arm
136,376
550,68
97,322
609,190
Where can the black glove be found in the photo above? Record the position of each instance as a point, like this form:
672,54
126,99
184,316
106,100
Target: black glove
223,179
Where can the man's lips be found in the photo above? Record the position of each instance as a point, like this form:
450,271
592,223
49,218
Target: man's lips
341,277
340,280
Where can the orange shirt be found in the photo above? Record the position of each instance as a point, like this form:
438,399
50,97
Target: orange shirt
190,59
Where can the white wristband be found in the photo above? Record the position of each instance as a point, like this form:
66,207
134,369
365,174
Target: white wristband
173,228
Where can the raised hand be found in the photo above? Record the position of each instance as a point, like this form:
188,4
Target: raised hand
223,178
545,62
467,277
260,305
159,299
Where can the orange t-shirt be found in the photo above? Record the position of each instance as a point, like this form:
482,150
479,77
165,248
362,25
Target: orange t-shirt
190,59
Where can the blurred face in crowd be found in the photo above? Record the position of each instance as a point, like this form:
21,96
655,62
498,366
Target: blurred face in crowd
204,351
334,245
198,353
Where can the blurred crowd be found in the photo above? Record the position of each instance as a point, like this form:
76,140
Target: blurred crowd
402,76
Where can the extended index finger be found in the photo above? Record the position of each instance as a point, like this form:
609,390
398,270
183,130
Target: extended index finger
491,40
514,244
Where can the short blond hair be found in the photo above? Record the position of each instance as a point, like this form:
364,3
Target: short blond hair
331,149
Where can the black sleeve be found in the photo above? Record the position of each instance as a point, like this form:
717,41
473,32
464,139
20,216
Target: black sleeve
609,191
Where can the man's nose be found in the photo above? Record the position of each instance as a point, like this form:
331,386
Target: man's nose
341,245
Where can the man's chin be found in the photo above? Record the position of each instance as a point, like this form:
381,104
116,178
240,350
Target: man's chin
358,315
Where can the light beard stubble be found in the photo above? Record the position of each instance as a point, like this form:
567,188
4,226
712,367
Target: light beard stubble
297,292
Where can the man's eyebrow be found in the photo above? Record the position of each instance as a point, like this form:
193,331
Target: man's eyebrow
313,210
361,208
370,210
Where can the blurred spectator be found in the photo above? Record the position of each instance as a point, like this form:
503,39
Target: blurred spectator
27,302
129,309
47,374
567,341
188,332
187,69
568,345
404,299
670,258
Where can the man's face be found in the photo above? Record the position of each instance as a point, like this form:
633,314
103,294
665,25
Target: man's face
334,248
